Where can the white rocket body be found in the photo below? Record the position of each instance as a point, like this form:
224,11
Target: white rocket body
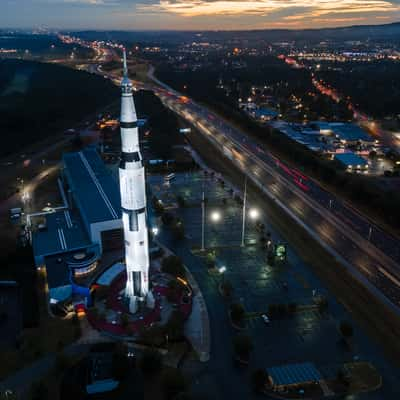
133,200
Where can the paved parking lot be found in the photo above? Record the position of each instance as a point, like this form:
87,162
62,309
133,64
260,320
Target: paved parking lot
307,336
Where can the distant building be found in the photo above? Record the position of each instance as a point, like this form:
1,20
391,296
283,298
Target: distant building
71,241
352,161
344,132
264,114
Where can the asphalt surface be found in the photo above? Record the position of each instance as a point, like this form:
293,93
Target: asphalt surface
309,336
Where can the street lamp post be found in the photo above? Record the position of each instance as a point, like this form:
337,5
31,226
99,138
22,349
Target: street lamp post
244,210
203,218
369,233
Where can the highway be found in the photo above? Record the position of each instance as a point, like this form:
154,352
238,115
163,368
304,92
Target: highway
371,254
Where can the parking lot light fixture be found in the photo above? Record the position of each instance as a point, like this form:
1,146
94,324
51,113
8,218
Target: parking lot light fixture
254,213
215,216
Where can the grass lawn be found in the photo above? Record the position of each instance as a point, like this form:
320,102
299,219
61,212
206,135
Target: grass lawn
363,377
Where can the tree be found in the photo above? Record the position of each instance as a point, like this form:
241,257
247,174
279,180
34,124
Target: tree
173,383
178,230
259,378
173,265
181,201
167,218
124,320
237,312
271,258
210,259
8,394
157,206
62,362
346,329
227,288
242,345
175,325
153,336
174,290
120,362
39,391
150,362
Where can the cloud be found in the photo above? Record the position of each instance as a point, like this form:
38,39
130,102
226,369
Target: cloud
312,8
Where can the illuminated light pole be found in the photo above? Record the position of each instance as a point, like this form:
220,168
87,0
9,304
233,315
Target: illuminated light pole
244,210
215,216
369,233
253,212
203,220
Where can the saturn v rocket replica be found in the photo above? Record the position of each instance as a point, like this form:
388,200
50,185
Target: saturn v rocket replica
133,203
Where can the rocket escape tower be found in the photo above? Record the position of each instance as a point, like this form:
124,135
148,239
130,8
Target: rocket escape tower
133,202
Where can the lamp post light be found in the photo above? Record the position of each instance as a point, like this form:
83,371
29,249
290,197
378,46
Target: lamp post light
215,216
244,210
203,220
253,212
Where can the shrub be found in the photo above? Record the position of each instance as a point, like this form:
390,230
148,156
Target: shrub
120,362
175,326
150,362
179,230
242,345
181,201
237,312
167,218
173,383
173,265
259,379
346,329
227,288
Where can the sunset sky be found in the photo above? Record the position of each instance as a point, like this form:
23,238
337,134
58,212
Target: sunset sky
195,14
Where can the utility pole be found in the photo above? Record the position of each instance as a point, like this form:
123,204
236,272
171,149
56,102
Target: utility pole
203,219
244,210
369,233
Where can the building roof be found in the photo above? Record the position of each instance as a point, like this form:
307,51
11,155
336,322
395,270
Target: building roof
351,160
321,125
265,112
350,132
64,232
110,274
92,184
294,373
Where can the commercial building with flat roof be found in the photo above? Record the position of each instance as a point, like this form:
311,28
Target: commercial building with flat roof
343,131
285,376
352,161
73,238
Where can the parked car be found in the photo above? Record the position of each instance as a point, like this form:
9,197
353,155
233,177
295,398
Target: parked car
265,319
